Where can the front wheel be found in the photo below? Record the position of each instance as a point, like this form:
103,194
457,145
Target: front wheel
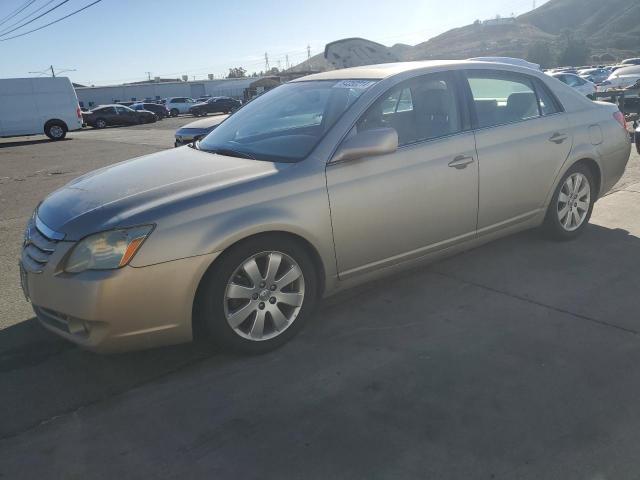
101,123
259,294
572,203
174,112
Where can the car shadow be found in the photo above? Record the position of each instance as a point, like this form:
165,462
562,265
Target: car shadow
594,277
24,143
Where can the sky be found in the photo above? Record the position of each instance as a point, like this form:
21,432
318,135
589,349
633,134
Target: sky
118,41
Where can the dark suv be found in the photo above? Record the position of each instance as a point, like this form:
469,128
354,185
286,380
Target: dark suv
215,105
160,110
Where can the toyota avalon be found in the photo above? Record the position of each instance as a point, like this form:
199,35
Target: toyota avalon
318,185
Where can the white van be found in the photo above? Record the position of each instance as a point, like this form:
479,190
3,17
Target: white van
32,106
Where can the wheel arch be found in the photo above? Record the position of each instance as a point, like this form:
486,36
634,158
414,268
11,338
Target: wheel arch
197,328
586,158
55,121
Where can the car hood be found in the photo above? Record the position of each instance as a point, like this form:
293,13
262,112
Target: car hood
206,123
134,191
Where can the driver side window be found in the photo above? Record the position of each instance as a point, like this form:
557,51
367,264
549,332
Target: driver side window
419,109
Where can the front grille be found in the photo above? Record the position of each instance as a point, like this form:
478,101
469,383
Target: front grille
37,248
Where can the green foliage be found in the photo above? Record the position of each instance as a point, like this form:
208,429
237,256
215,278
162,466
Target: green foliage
540,53
237,72
575,51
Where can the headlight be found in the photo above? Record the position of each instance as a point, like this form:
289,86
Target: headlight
107,250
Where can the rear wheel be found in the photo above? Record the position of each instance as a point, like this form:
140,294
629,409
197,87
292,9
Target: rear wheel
259,294
572,203
55,130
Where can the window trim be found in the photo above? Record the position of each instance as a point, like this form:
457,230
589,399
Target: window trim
461,105
538,85
504,75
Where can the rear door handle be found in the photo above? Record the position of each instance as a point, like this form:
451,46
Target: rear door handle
461,161
558,137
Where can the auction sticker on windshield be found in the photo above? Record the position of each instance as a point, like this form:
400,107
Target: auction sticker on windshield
354,84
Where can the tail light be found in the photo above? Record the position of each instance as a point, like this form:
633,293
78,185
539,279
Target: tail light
619,117
79,112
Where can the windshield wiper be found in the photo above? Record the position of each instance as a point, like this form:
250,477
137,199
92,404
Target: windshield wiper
229,152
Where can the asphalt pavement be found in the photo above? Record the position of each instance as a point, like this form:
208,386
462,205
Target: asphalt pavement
518,359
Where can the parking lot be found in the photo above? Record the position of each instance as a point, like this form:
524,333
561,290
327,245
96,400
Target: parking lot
515,360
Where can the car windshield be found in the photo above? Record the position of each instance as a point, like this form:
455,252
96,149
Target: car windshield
285,124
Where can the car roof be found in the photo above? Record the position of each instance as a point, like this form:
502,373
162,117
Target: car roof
385,70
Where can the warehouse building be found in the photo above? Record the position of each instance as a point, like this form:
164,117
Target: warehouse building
240,88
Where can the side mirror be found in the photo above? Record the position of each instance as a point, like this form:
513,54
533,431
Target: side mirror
377,141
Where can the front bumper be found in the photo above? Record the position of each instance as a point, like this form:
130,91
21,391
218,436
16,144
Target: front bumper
117,310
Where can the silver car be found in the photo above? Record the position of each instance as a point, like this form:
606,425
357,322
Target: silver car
318,185
197,130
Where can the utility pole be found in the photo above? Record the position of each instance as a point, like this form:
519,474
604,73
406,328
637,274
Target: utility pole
266,62
308,52
279,65
53,71
287,60
148,75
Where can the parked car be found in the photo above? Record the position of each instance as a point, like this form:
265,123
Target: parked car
631,61
178,105
197,130
33,106
318,185
585,87
107,115
160,110
595,75
215,105
619,82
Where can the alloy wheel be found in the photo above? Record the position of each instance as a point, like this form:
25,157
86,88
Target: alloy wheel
574,200
264,295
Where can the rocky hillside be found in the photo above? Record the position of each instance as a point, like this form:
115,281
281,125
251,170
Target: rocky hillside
608,26
605,24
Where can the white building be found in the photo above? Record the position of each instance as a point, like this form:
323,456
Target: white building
493,22
230,87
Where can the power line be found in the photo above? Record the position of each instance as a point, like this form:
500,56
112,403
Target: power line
50,23
11,15
36,18
24,18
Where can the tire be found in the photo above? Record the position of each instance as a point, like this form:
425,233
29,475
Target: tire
558,225
216,309
100,123
55,130
174,112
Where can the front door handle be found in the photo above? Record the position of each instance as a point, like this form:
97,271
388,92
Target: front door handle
558,137
461,161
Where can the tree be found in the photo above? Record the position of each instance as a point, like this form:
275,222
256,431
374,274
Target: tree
575,51
540,53
237,72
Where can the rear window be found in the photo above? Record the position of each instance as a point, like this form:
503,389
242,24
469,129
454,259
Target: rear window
502,97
